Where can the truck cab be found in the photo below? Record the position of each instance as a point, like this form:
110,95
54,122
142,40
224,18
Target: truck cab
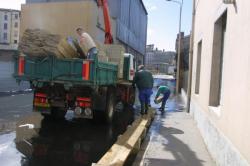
129,67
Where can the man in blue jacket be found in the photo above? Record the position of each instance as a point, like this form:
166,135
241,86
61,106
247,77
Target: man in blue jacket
144,81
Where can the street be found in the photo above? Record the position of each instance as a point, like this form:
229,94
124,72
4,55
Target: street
8,84
13,108
76,80
26,138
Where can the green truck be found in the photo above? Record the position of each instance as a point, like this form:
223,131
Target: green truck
86,86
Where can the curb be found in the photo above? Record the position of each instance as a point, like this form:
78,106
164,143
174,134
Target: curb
128,143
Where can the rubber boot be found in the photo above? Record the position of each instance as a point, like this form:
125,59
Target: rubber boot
146,108
163,106
142,108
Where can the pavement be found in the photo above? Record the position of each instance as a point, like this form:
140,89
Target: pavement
173,139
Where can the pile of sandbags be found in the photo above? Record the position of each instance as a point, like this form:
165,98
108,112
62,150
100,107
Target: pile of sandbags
37,42
102,56
115,54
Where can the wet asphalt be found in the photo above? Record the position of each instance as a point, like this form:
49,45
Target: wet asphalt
8,85
38,141
28,139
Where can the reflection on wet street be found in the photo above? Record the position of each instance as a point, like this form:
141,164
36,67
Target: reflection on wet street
40,142
43,142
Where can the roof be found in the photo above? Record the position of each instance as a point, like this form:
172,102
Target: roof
9,10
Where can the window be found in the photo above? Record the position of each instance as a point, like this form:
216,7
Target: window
16,24
5,26
198,68
5,36
5,17
15,41
217,60
15,34
16,16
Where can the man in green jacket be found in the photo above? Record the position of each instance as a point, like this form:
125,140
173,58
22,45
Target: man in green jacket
144,81
165,91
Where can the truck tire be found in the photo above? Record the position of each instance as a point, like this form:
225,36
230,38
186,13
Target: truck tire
110,107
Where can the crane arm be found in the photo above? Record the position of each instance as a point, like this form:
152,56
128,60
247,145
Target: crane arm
107,22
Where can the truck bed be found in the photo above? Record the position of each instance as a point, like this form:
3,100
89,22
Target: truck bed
66,71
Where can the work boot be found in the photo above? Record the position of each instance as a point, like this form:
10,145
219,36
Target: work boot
146,108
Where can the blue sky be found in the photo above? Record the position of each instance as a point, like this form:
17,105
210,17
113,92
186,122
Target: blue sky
163,22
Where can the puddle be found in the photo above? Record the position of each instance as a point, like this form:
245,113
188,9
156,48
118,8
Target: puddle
39,142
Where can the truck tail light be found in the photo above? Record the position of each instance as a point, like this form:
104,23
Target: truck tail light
83,102
40,100
85,70
21,65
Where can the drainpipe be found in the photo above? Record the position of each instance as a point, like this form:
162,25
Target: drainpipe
189,93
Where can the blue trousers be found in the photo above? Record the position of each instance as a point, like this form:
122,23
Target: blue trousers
144,95
165,98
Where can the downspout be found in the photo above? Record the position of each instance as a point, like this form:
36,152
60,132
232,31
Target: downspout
191,51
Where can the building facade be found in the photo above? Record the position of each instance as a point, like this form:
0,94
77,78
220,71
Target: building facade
9,29
221,79
184,61
129,24
159,61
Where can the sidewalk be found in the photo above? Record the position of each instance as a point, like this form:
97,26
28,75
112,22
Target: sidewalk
174,140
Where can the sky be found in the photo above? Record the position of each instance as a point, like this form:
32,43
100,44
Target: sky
11,4
163,20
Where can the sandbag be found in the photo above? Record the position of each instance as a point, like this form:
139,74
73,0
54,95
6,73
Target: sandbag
37,42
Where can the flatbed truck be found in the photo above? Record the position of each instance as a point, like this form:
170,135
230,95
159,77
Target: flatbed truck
86,86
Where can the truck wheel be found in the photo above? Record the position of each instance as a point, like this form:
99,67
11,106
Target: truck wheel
110,107
58,113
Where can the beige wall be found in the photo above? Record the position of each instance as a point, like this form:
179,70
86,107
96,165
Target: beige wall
232,118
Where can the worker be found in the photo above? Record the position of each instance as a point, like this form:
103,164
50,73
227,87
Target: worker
143,79
165,91
87,43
